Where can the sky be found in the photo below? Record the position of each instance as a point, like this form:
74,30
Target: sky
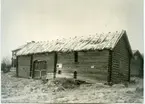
23,21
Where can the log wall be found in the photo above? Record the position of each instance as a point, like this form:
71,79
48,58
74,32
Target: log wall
91,64
24,66
120,62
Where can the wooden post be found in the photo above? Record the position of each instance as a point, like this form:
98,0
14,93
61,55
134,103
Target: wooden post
33,69
17,66
55,62
31,65
76,56
129,69
110,66
75,74
12,60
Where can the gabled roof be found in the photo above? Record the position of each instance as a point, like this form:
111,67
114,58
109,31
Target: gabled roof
136,52
77,43
22,46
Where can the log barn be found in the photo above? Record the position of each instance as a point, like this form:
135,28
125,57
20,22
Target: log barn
102,57
137,64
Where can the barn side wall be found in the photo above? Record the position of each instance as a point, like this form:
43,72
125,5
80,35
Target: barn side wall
90,65
120,62
24,66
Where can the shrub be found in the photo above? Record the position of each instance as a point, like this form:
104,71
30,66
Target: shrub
5,65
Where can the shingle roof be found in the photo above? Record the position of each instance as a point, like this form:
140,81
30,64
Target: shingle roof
77,43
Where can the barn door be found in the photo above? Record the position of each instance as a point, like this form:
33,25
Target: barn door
39,69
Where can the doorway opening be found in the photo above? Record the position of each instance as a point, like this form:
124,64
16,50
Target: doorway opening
39,68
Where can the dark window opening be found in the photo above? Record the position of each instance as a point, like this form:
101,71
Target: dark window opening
75,74
59,71
76,56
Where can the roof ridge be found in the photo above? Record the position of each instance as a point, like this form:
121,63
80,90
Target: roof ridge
100,33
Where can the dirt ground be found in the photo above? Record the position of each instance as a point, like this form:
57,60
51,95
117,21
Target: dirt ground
21,90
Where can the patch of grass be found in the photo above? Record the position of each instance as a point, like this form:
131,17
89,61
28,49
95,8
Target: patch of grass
64,90
61,84
139,89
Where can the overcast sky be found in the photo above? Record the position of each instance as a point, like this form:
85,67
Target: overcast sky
38,20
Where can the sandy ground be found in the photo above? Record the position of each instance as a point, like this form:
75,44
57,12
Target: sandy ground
21,90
